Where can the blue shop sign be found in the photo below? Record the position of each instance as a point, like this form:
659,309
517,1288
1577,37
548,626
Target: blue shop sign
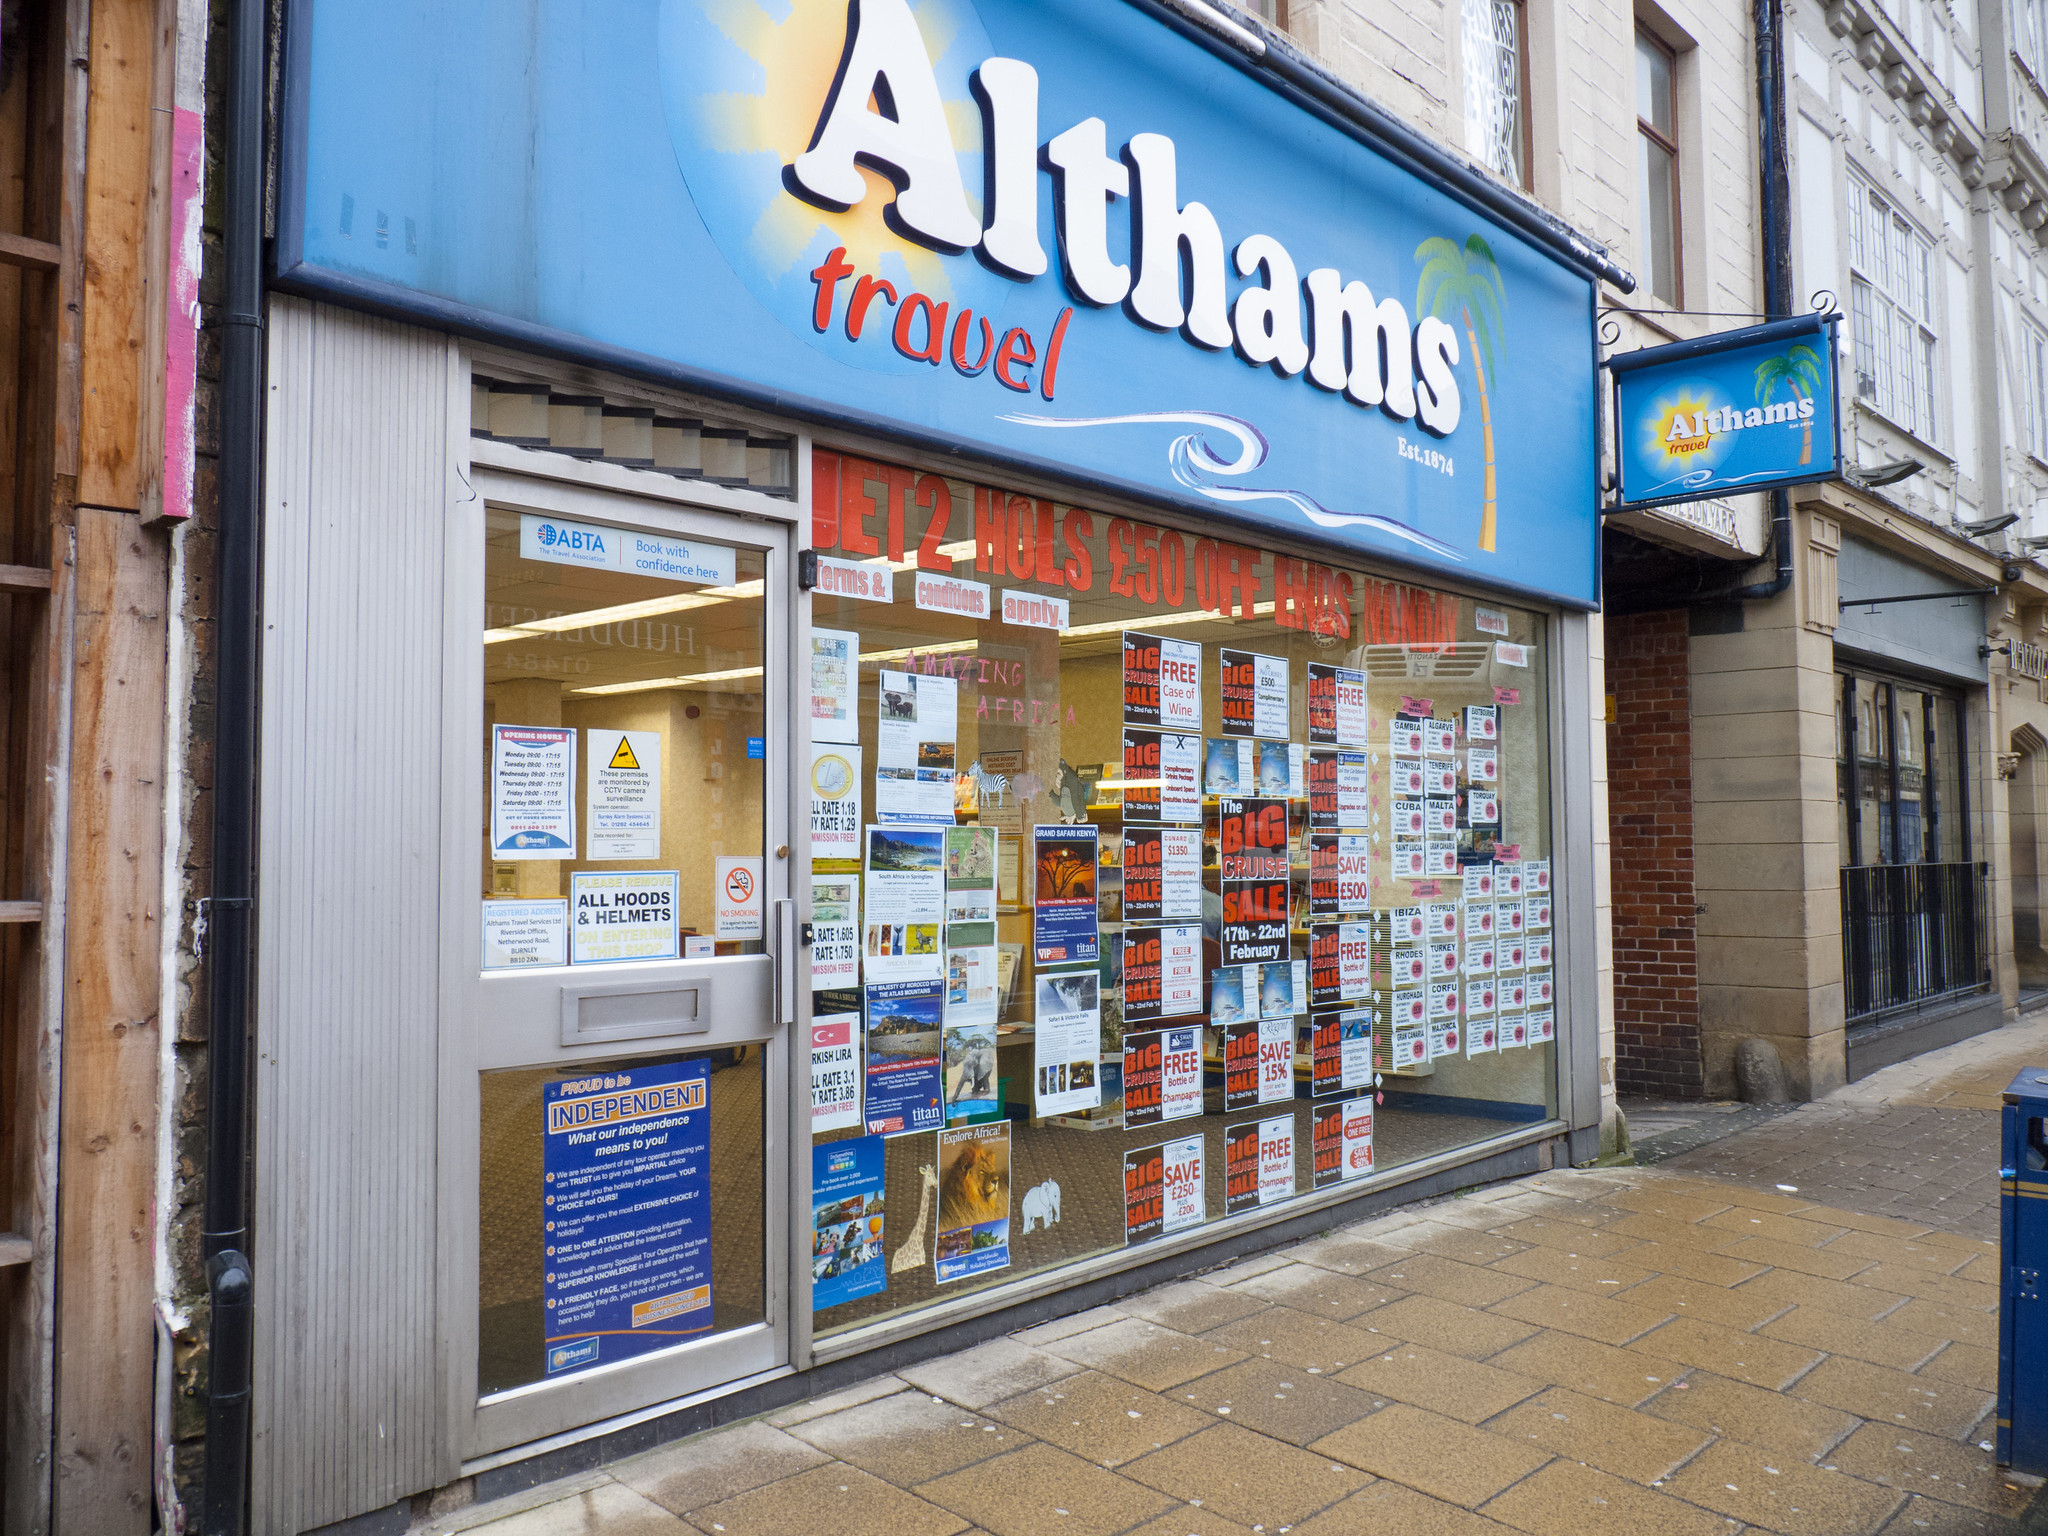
1746,410
1058,233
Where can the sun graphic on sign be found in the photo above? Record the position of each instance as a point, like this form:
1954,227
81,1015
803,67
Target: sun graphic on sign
776,87
1675,434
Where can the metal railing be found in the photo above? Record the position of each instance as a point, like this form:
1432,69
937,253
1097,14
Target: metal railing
1911,932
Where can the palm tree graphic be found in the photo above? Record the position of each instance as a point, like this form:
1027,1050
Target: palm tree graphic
1798,369
1464,281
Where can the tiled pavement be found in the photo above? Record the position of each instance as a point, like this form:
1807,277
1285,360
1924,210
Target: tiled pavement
1627,1351
1917,1141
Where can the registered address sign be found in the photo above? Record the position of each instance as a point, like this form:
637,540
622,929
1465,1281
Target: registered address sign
1747,410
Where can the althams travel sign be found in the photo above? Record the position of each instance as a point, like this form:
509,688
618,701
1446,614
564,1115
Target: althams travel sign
1045,230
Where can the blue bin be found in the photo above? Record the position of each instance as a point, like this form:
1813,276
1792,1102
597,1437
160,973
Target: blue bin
2023,1257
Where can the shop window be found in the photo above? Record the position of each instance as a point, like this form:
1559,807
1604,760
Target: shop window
1890,312
1657,166
1901,771
1912,902
1157,879
1494,40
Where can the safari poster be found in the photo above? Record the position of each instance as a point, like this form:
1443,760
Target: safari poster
974,1200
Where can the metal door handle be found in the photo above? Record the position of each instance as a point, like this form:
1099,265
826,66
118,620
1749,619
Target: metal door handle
785,962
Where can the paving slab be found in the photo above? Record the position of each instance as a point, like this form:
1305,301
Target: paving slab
1145,1354
1732,1307
1102,1418
1828,1263
986,1373
1554,1266
1394,1509
1192,1306
1729,1352
1447,1326
1669,1200
1282,1401
1965,1324
1427,1378
1768,1488
817,1407
1309,1288
712,1467
1857,1298
1192,1520
1568,1236
1690,1261
1636,1446
1738,1411
605,1509
840,1499
1247,1478
1039,1491
1969,1365
1468,1285
1610,1320
1892,1397
1346,1253
909,1438
1937,1468
1931,1517
1887,1342
1435,1455
1319,1345
1066,1327
1745,1221
1625,1376
1464,1244
1567,1499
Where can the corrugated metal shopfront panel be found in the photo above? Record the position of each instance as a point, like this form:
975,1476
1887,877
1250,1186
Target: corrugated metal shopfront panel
348,1408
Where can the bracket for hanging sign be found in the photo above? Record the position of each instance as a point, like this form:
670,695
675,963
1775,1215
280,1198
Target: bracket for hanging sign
1916,597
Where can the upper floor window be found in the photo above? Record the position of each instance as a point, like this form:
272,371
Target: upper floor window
2030,32
1495,45
2034,372
1891,313
1657,168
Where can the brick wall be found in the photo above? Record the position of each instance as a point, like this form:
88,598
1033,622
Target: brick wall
1649,773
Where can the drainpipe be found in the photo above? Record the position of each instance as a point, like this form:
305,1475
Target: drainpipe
230,912
1777,221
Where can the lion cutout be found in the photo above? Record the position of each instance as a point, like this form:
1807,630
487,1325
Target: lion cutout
974,1188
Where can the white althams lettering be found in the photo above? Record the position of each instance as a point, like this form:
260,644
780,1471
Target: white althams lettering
1008,93
1268,318
1380,370
1159,226
1436,355
1088,179
912,145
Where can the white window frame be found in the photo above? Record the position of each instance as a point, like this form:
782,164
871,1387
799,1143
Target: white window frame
2034,380
1495,83
1891,279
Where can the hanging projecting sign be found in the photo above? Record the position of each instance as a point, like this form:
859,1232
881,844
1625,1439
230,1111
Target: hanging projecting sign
1055,231
1746,410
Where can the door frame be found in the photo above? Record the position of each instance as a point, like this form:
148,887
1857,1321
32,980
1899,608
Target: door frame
515,1423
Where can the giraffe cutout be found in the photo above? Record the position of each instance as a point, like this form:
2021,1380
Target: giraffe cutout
911,1254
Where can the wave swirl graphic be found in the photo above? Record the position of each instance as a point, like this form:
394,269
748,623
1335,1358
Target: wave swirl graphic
1198,466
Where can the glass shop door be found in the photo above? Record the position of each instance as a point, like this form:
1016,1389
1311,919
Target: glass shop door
631,885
